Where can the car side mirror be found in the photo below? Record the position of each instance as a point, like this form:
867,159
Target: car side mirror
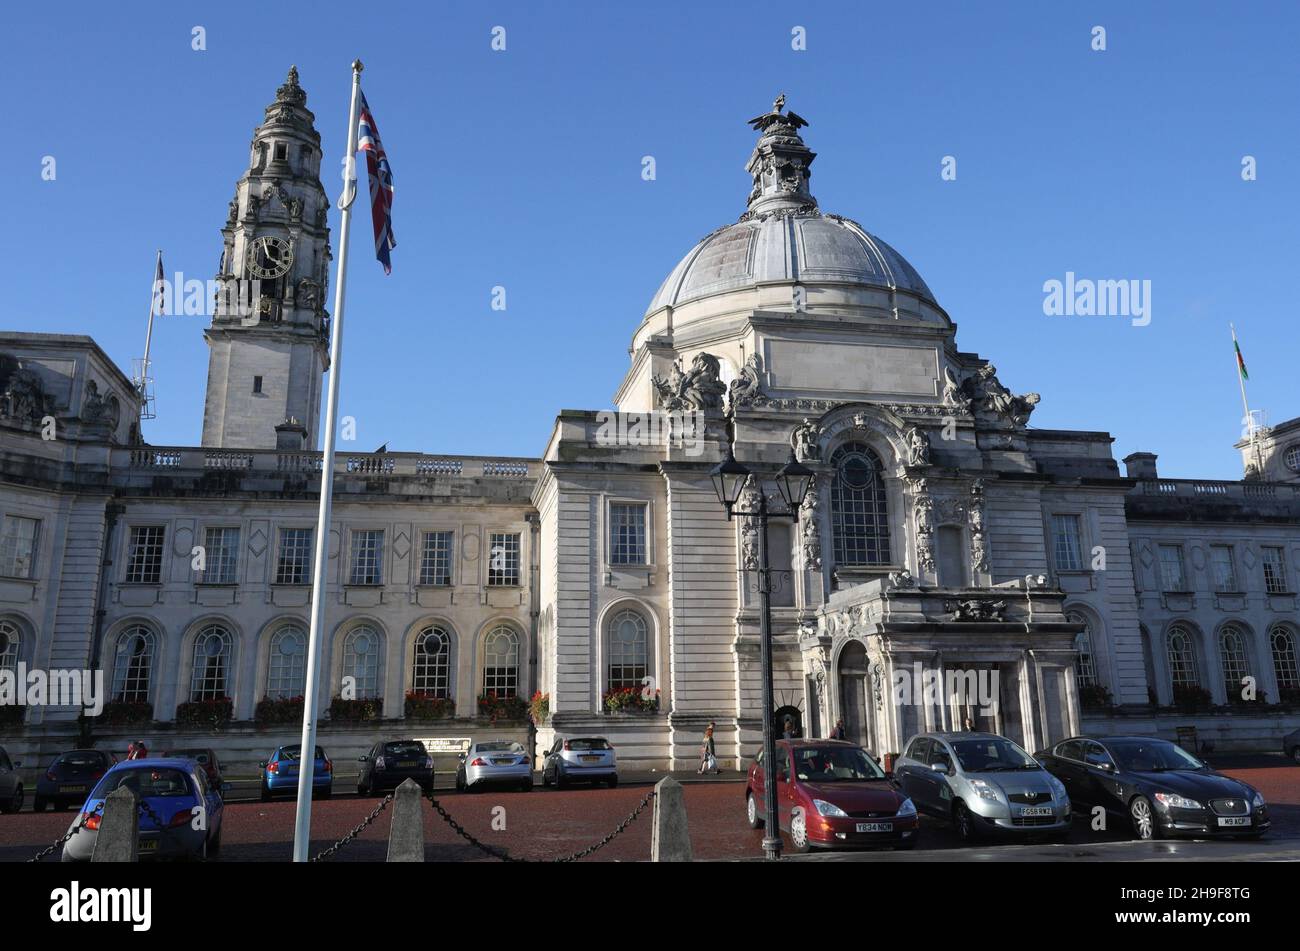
940,768
261,765
363,759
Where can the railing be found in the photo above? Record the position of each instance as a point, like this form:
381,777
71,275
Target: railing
1203,488
273,462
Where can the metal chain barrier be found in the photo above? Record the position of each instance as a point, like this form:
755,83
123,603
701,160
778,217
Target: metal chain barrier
337,846
63,840
505,856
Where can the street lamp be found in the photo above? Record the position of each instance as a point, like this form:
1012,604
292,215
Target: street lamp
793,481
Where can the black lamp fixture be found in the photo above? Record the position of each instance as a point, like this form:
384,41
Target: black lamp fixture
729,480
793,481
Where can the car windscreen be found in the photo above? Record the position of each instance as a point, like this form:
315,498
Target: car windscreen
404,749
501,747
1152,755
589,743
147,783
835,764
81,760
991,754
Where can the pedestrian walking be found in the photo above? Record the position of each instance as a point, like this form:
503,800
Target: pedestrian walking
838,732
137,750
708,753
789,732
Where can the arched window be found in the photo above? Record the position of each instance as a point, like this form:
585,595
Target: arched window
1086,671
1232,653
211,669
133,664
859,520
629,651
1181,646
501,662
10,640
286,674
1282,642
431,668
361,650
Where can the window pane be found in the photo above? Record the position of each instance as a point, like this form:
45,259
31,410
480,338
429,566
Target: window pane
367,557
858,516
1182,658
220,553
212,650
1065,542
627,541
10,640
628,650
1275,581
1086,673
18,546
501,663
435,559
1225,573
361,649
132,665
1171,568
1232,652
294,564
430,670
1284,658
144,555
503,563
287,672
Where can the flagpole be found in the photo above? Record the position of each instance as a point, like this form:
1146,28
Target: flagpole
307,755
148,334
1241,382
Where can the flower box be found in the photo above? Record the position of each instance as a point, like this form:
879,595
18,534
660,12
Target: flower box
630,700
206,713
424,706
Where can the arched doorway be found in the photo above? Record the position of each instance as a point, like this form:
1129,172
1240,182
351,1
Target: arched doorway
853,693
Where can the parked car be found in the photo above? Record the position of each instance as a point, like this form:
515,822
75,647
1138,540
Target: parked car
388,765
280,773
207,758
11,784
584,759
831,794
172,826
70,777
982,783
495,762
1156,786
1291,745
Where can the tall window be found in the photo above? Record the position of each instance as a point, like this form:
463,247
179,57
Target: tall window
627,536
220,553
361,650
435,559
501,662
1224,568
629,650
859,519
294,564
286,674
1274,569
144,555
503,559
367,557
10,640
1232,653
1183,671
1282,642
133,665
1086,672
431,668
18,546
211,668
1172,576
1065,543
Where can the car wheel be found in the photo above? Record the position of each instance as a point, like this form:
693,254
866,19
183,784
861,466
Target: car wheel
214,847
964,822
799,831
1295,753
266,793
1144,818
460,781
559,778
613,782
546,777
751,812
527,785
38,804
15,803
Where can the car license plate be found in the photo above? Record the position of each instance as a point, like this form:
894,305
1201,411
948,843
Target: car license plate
149,845
502,762
1235,821
1036,811
407,764
875,827
590,759
72,789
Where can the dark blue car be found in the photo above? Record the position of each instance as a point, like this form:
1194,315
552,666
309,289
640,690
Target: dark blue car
280,773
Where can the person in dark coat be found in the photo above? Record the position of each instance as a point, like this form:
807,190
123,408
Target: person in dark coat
838,732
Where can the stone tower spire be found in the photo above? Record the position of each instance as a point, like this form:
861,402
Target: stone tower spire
780,164
269,335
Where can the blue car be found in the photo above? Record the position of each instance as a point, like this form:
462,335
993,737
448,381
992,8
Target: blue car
280,773
182,819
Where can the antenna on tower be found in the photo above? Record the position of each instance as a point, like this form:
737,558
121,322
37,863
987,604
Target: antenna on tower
142,375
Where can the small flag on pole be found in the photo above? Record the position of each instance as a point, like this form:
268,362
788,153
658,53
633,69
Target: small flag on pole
1241,363
159,289
381,184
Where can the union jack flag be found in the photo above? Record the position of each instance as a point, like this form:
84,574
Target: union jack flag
381,185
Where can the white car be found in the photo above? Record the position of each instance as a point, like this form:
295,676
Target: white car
494,762
583,759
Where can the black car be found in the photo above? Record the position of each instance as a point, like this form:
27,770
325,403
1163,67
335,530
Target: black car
70,778
1156,786
11,784
389,763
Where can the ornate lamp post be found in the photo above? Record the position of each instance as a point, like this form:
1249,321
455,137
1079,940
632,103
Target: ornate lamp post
792,483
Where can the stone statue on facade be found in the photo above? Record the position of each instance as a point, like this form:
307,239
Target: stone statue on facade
748,385
812,536
699,388
918,447
805,440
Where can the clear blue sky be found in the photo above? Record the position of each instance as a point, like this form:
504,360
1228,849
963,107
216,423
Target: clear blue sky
523,168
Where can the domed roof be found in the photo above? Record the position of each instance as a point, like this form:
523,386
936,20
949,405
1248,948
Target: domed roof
784,237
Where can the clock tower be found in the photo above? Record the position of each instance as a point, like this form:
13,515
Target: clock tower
269,337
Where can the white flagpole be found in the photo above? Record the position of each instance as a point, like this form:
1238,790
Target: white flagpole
307,755
1250,420
148,334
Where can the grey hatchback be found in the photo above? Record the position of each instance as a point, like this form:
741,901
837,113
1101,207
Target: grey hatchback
982,782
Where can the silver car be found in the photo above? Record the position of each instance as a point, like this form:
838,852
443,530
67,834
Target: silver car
583,759
982,783
494,763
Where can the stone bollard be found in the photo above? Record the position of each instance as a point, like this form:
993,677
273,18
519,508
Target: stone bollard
406,834
671,839
119,828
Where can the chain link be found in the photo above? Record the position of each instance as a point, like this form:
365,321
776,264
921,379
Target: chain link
67,835
337,846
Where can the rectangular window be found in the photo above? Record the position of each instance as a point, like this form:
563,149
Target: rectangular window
1172,577
1274,570
257,384
144,555
221,555
627,535
1224,571
1065,543
18,546
367,557
294,563
503,561
435,559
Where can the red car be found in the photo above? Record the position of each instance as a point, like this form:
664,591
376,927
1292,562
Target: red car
832,794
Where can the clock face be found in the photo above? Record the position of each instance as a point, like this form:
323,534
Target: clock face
269,257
